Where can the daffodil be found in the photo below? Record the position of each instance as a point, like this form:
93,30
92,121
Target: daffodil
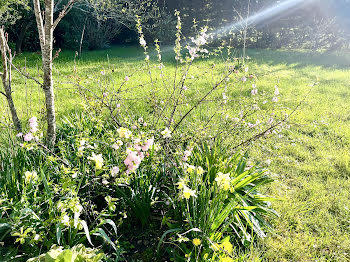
190,169
181,184
226,259
30,176
98,160
227,246
187,192
223,181
196,242
200,170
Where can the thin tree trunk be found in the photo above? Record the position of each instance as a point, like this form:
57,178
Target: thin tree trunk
46,44
6,76
47,68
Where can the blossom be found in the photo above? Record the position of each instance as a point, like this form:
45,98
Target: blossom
124,132
181,184
196,242
30,176
115,171
184,88
187,153
103,72
28,137
143,42
254,92
98,160
200,170
223,180
246,69
227,246
127,78
277,92
147,145
65,220
187,192
132,161
166,133
275,99
19,135
244,79
140,120
105,182
190,168
105,94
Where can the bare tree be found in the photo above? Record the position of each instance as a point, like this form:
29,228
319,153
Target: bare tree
46,25
6,76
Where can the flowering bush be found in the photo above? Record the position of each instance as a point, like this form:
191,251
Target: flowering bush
121,169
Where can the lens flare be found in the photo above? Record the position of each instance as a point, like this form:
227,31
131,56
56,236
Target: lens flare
263,15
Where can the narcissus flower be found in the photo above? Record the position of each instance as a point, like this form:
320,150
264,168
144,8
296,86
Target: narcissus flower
187,192
30,176
98,160
223,180
196,242
200,170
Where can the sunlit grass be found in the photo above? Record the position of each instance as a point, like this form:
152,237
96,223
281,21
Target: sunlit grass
310,162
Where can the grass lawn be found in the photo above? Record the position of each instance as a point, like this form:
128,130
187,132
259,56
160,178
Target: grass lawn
310,162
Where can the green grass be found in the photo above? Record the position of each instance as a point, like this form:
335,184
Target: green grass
310,162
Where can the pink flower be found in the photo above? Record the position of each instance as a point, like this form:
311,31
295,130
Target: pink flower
105,94
115,146
33,120
103,72
254,92
28,137
246,69
148,144
118,105
127,78
277,92
244,79
275,99
115,171
132,161
19,135
134,127
145,124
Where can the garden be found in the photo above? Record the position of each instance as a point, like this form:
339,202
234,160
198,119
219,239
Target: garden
195,138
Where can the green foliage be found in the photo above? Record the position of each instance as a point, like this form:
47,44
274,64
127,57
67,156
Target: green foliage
10,10
218,204
77,253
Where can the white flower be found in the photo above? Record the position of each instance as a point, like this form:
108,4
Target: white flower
143,42
98,160
166,133
65,220
223,180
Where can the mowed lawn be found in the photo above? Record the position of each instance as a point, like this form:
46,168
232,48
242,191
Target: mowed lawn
310,162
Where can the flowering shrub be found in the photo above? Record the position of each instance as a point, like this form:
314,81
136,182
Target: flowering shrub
121,167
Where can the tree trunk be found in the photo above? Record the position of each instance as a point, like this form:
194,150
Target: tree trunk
22,34
46,44
47,68
7,77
